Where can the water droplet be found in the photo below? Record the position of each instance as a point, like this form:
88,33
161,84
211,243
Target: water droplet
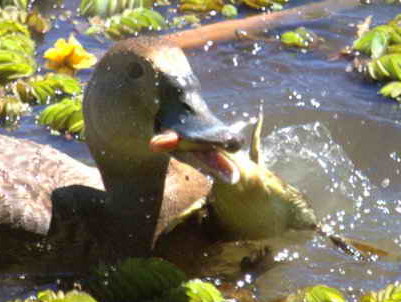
385,183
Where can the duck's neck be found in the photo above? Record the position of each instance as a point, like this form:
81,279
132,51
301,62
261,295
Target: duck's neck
135,198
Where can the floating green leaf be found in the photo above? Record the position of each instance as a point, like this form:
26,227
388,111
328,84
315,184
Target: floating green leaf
194,291
107,8
392,90
11,27
51,296
301,37
323,293
317,293
21,4
14,65
131,21
37,23
185,20
13,13
11,108
18,42
229,11
46,89
65,116
136,279
392,293
259,4
387,67
201,5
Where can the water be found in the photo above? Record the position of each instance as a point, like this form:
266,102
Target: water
327,132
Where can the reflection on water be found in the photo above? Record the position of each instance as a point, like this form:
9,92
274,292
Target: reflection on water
348,162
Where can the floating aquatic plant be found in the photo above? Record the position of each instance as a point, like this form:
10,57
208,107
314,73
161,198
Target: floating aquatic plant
383,45
229,11
59,296
11,108
65,116
217,5
391,293
20,4
259,4
131,21
301,37
193,291
68,56
17,42
107,8
185,20
136,279
46,89
14,65
37,23
392,90
201,5
317,293
16,51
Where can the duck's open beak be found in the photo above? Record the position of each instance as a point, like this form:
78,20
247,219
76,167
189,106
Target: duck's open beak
194,135
212,161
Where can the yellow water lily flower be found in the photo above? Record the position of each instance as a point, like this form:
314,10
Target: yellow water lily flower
68,56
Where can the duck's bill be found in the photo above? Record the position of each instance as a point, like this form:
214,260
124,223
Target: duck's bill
209,159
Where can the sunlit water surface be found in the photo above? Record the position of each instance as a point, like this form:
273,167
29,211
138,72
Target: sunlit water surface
326,131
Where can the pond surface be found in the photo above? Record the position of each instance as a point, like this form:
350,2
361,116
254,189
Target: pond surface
326,131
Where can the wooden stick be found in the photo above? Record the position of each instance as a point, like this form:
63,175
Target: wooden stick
228,30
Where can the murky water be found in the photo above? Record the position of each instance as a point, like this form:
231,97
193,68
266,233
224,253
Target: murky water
327,132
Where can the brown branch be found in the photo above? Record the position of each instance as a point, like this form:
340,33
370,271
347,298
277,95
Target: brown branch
228,30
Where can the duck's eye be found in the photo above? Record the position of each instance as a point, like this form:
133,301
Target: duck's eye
135,70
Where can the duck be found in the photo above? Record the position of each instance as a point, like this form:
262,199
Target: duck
154,141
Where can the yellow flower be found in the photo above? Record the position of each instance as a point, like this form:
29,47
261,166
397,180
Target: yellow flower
68,56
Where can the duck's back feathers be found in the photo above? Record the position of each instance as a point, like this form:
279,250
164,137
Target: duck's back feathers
29,172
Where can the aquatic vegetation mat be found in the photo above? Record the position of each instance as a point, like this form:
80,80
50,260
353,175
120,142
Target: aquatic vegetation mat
382,44
130,21
137,279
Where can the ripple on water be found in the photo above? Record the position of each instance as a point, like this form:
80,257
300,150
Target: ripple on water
343,197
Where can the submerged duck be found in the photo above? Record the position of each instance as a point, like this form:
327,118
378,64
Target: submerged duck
142,97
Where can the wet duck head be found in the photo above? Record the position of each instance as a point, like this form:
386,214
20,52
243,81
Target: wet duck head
142,105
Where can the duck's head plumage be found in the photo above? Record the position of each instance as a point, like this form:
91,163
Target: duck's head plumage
141,88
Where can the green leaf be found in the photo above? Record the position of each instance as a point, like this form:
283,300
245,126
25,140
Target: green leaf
392,90
379,44
21,4
136,279
392,293
229,11
107,8
194,291
132,21
301,37
322,293
10,27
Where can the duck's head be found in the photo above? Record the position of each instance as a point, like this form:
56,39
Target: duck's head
143,103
